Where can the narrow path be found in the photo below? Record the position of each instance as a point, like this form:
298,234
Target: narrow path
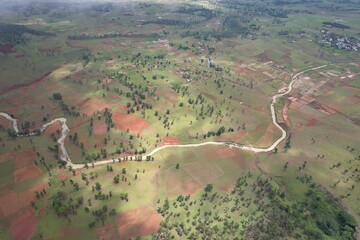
65,131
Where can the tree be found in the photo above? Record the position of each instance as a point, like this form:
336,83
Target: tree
116,179
98,186
76,186
57,96
208,188
112,212
177,166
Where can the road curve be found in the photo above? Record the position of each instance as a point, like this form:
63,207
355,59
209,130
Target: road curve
65,131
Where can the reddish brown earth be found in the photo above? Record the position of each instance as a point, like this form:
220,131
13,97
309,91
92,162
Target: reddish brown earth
311,123
169,94
62,177
107,232
33,84
218,153
92,105
141,221
353,99
12,202
7,48
7,156
241,160
84,140
26,173
25,159
52,128
25,167
170,141
24,226
5,123
127,121
100,128
176,186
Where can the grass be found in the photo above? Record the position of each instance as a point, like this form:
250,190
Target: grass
239,94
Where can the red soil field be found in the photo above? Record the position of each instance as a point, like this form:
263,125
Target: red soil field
19,101
353,99
138,222
7,156
127,121
243,163
311,123
62,177
25,159
7,48
26,173
100,128
170,141
33,84
24,225
91,105
176,186
25,167
227,188
52,128
217,153
107,232
5,123
84,140
12,202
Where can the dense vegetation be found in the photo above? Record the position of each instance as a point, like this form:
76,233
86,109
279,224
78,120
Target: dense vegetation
256,209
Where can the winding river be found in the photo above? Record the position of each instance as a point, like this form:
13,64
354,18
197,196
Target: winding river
65,131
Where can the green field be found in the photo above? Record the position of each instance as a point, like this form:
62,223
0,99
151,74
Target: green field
132,77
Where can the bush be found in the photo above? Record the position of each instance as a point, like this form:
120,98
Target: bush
57,96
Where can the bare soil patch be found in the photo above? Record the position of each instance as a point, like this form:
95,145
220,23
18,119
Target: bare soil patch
25,85
127,121
7,156
100,128
7,48
218,153
141,221
5,123
25,159
175,186
92,105
311,122
107,232
169,94
26,173
12,202
23,227
25,167
52,128
170,141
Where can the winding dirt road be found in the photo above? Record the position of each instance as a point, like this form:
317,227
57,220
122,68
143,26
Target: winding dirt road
65,131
